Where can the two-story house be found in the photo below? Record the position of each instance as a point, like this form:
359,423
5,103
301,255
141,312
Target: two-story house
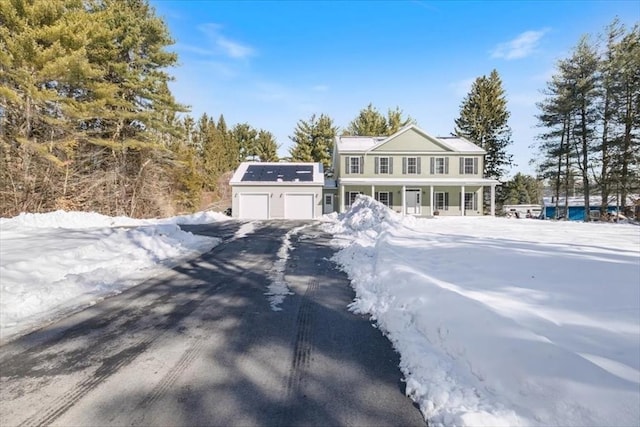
411,172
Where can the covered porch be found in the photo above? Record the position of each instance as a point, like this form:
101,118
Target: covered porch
426,198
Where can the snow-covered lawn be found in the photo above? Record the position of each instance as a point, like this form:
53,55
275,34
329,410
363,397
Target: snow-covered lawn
54,263
502,321
497,321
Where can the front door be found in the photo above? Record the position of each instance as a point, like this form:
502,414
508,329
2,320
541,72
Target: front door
412,198
328,204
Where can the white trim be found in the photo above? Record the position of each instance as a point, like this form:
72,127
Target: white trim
431,200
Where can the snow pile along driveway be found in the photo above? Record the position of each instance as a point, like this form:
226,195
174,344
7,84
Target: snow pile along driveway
499,321
53,263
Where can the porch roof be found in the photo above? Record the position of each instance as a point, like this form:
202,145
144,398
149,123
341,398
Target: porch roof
419,181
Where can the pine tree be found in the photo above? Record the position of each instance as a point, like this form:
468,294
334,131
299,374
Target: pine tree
314,140
581,73
245,137
522,189
86,106
370,122
266,147
484,121
558,156
625,100
395,121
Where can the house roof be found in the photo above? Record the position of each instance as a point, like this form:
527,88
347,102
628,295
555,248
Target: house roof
368,143
594,201
358,143
459,143
275,173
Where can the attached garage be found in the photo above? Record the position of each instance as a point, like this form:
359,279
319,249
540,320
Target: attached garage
299,206
254,206
264,190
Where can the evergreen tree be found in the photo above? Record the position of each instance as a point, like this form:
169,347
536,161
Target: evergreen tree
484,121
522,189
580,71
370,122
395,121
266,147
314,140
558,156
245,137
86,106
625,100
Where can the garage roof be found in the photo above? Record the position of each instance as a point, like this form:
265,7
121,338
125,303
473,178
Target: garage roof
270,173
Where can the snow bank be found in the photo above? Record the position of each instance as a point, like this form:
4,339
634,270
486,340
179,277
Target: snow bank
53,263
502,322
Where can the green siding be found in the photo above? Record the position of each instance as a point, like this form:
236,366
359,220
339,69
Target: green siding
397,161
411,140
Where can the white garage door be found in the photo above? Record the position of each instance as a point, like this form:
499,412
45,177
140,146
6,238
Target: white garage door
298,206
254,206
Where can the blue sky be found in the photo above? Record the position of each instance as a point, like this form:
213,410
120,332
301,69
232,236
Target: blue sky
271,64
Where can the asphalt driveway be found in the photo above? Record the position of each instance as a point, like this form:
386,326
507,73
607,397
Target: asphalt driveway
200,345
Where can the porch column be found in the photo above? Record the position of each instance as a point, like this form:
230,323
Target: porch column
404,203
431,200
462,200
373,191
493,200
342,197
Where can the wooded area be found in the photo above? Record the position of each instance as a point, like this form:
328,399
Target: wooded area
591,119
88,122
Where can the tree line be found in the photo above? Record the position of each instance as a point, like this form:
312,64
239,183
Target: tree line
590,118
88,122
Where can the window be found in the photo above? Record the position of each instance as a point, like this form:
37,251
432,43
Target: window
439,165
412,165
354,164
470,201
442,201
351,197
383,165
468,165
383,197
328,199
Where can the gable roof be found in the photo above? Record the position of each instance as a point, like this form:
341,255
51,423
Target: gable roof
367,143
270,173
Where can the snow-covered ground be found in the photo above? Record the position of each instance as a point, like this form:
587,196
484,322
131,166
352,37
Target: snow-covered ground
54,263
502,321
497,321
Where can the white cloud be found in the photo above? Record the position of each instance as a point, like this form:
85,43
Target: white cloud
520,47
223,44
234,49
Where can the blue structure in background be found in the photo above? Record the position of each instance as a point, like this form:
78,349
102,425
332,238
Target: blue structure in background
576,213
